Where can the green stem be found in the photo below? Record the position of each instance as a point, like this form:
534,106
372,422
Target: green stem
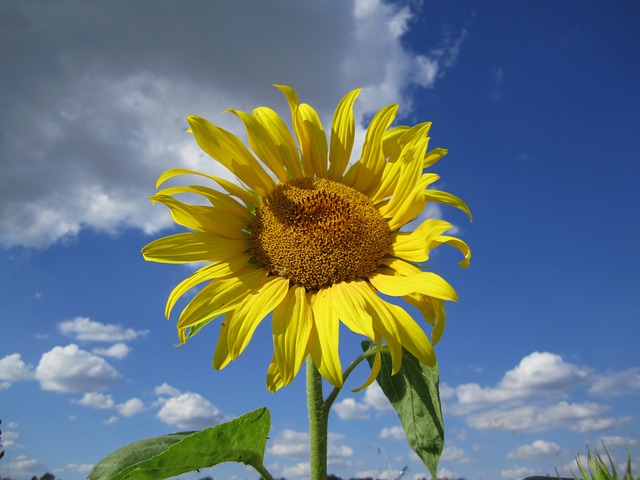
264,473
336,390
318,422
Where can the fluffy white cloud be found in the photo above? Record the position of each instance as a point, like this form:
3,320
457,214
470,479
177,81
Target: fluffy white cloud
537,374
393,433
537,449
118,350
617,383
302,469
102,125
374,399
131,407
290,443
190,410
166,390
517,472
13,369
85,329
71,369
579,417
96,400
350,409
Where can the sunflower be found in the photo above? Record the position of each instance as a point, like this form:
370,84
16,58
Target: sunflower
312,238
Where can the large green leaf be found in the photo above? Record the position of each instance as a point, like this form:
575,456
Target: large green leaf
241,440
414,392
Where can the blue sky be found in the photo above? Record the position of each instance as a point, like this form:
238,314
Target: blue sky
538,105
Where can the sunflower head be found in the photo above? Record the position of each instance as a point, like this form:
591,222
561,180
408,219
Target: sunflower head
311,238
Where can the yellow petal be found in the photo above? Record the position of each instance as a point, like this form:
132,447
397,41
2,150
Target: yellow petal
375,368
432,310
208,272
447,199
349,306
365,174
415,246
193,247
230,187
284,142
312,140
252,310
205,219
326,338
274,379
221,356
291,323
222,201
457,243
383,323
433,156
427,283
412,337
227,149
221,296
407,149
342,135
262,144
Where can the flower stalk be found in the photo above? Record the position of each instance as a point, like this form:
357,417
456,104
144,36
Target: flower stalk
318,422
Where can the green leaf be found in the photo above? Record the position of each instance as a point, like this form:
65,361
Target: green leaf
241,440
414,392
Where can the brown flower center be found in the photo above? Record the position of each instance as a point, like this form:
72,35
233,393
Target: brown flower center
317,232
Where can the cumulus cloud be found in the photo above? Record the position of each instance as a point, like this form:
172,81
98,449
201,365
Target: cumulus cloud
539,374
374,399
190,410
166,390
579,417
14,369
393,433
71,369
85,329
290,443
118,350
626,382
537,449
102,401
101,126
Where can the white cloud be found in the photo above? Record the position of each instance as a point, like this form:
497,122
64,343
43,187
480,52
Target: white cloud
374,399
517,472
190,410
393,433
626,382
579,417
537,449
85,329
118,350
538,374
103,125
131,407
102,401
13,369
96,400
297,470
80,468
70,369
451,453
616,441
166,390
291,444
350,409
23,466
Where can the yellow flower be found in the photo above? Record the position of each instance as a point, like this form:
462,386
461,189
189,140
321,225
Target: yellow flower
311,239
